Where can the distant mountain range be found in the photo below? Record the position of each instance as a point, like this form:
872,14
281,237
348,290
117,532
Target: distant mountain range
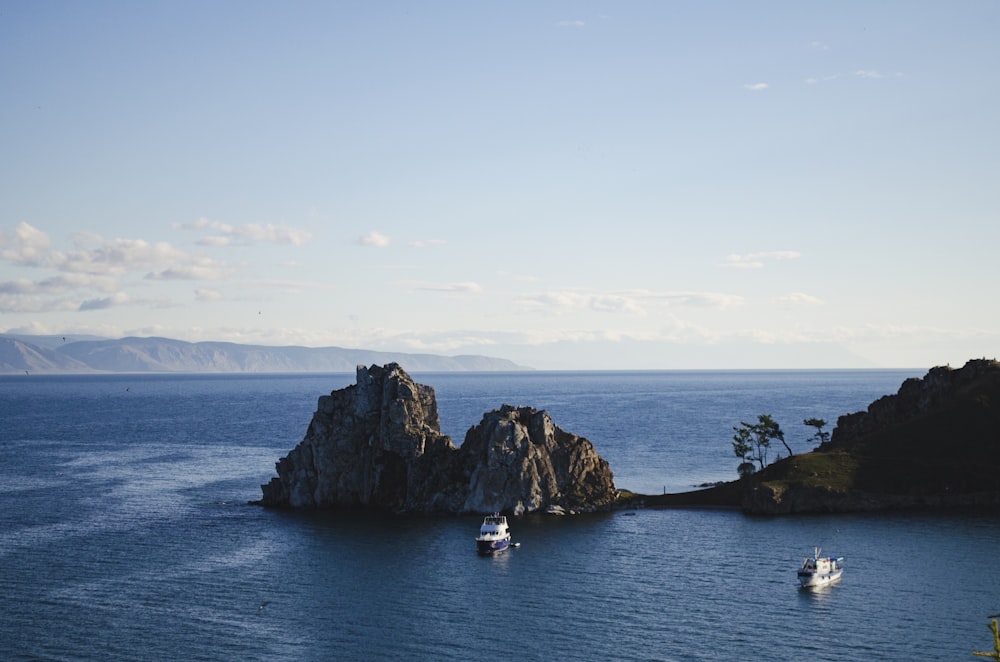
82,354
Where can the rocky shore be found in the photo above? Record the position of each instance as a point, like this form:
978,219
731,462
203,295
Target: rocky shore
934,444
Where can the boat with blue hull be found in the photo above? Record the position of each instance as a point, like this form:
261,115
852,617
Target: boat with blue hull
494,535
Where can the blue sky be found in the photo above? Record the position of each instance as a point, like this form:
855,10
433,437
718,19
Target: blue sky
585,185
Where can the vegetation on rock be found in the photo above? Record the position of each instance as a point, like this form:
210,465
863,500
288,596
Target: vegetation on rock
935,443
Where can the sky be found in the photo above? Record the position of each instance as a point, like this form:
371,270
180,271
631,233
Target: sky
568,185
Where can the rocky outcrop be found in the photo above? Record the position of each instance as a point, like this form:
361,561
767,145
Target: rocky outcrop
934,444
939,388
379,444
518,457
365,445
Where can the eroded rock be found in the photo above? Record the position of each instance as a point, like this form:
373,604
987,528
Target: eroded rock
379,444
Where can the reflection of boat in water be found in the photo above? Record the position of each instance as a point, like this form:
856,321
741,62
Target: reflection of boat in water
494,535
819,570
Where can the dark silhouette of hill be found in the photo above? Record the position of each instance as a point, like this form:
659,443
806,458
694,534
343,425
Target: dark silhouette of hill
933,444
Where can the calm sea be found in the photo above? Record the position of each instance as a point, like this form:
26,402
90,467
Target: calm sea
125,534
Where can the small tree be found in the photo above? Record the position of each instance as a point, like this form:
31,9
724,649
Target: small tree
820,435
743,447
752,441
769,427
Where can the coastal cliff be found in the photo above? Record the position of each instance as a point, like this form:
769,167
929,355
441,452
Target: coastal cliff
378,444
933,444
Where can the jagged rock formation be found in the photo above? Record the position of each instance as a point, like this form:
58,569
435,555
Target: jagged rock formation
519,458
379,444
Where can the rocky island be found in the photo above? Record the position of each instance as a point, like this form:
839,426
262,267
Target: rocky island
378,444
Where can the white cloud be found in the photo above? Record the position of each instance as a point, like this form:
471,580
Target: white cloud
208,295
757,260
90,270
116,256
868,73
226,234
755,87
91,254
634,302
28,245
570,24
374,240
800,298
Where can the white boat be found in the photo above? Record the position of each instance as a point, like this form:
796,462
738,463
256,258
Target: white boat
494,535
820,570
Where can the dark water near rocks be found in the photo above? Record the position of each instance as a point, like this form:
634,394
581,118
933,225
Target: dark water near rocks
125,534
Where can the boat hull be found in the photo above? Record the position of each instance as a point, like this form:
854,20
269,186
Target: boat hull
810,580
487,547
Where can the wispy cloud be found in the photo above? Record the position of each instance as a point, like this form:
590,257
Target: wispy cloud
870,74
633,302
374,240
755,87
196,271
59,284
30,303
208,295
466,287
566,301
800,299
570,24
117,299
425,243
757,260
226,234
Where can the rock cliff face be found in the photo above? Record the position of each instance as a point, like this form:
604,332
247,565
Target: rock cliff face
937,390
519,458
379,444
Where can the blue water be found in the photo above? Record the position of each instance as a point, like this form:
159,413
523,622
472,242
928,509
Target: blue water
125,534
